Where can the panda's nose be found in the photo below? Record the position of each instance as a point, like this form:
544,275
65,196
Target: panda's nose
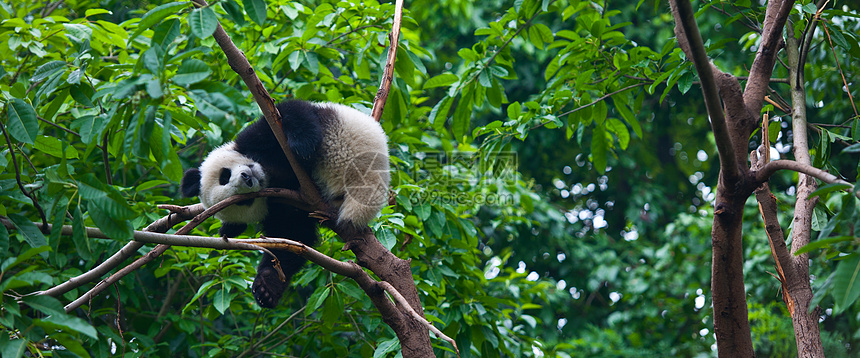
248,180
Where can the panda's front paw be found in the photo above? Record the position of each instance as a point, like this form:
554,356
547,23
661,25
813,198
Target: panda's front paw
268,287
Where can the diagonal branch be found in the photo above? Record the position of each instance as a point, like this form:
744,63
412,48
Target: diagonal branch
762,66
239,64
688,36
388,73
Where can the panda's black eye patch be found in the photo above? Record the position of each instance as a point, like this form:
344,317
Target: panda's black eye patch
225,176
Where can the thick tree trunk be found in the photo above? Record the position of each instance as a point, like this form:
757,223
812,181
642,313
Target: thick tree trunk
731,321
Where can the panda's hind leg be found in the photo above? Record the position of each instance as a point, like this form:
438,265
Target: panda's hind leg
268,287
285,222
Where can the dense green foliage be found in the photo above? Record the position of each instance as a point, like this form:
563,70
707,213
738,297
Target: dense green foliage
552,167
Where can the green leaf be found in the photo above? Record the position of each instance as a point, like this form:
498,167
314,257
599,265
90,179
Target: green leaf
468,54
439,113
82,93
71,323
192,71
385,347
685,82
620,130
333,308
47,69
165,33
436,223
256,10
854,148
295,60
234,11
13,348
115,228
90,127
312,61
828,188
317,299
203,23
33,251
817,244
846,283
79,235
22,123
423,211
54,147
152,60
445,79
514,110
222,298
157,14
599,148
837,37
28,231
200,292
462,116
495,94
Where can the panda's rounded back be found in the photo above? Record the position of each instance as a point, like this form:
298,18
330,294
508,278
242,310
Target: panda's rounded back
354,168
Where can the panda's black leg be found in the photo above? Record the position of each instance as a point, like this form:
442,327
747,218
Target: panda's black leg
268,287
232,229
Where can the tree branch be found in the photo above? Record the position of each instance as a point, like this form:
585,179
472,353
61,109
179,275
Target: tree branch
762,66
690,41
160,225
401,302
388,72
239,63
769,169
805,321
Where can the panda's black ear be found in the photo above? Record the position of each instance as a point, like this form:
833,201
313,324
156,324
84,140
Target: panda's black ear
190,185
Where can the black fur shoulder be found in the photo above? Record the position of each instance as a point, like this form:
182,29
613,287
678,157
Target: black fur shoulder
303,127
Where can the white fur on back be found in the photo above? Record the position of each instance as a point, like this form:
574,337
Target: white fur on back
211,191
354,164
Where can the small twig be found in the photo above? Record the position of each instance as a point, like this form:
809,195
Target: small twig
24,190
604,97
105,158
841,73
277,329
58,126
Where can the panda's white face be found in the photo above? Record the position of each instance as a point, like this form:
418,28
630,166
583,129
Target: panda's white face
225,173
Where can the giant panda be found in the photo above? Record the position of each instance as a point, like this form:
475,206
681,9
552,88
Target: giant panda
344,151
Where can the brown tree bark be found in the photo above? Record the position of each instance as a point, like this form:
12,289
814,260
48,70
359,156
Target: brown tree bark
732,123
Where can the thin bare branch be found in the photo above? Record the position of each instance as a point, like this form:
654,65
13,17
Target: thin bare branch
388,72
27,193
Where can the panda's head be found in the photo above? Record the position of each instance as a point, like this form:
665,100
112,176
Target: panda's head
224,173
